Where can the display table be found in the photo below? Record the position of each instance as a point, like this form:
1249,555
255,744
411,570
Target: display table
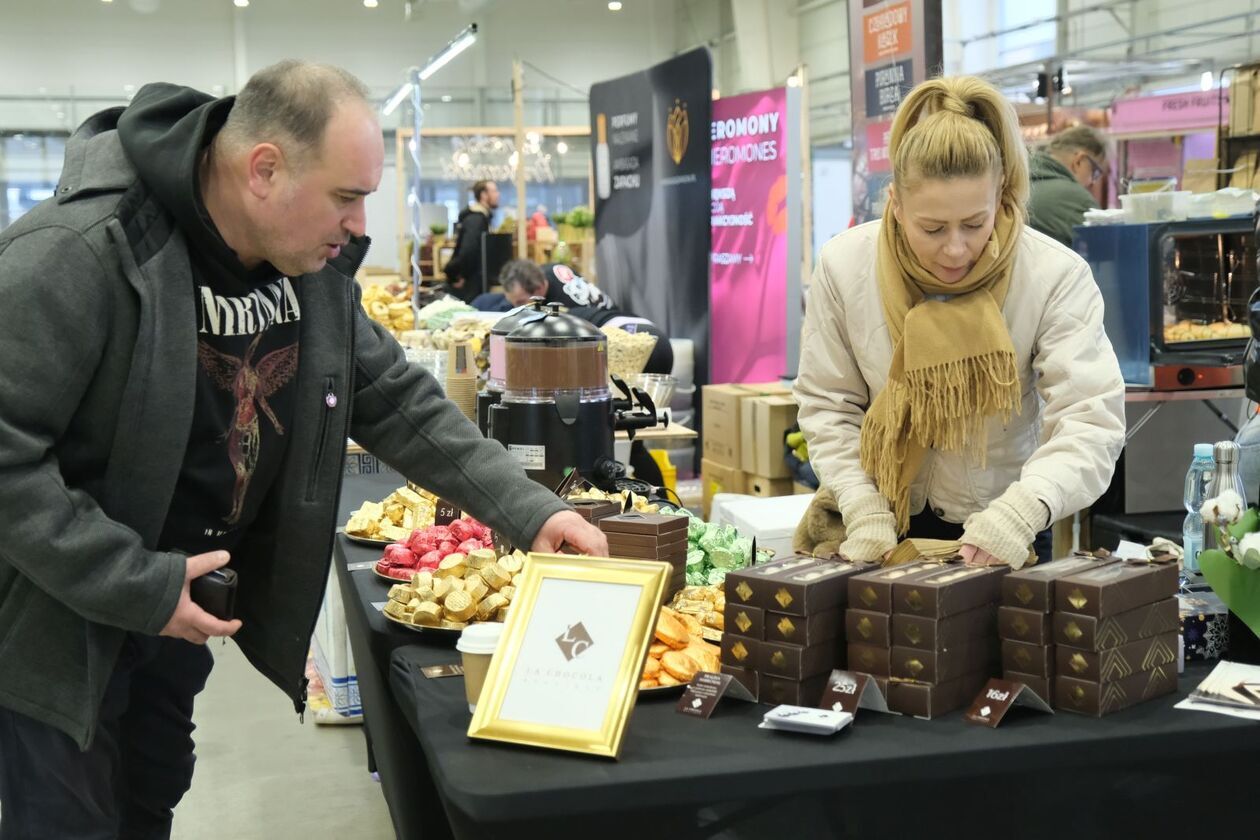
1146,768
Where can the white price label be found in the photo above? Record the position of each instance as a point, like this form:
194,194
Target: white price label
529,457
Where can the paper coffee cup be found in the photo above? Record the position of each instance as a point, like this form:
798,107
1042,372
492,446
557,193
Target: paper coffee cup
477,644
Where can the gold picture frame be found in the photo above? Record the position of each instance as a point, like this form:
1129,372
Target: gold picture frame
566,673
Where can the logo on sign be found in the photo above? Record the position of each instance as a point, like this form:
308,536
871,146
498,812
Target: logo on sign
677,131
574,641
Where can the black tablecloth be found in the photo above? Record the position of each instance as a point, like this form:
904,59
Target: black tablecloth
1151,768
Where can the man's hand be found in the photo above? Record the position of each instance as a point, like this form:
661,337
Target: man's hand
568,527
189,621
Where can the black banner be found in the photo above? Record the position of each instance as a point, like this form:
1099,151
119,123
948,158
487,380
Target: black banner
651,161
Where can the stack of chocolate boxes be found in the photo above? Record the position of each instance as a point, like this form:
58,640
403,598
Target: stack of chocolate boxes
593,510
944,645
1115,631
650,536
1025,622
784,630
868,619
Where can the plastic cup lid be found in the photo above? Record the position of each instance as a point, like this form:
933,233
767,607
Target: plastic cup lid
480,638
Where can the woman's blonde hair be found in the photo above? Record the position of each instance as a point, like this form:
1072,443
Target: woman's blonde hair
959,126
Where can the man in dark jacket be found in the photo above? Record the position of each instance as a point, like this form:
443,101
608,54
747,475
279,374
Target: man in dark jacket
1064,176
182,356
463,272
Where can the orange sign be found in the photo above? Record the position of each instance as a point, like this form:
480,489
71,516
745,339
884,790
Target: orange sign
886,32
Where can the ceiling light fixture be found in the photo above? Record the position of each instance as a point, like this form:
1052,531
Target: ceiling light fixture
396,98
461,42
446,97
562,147
614,6
1205,81
240,4
370,4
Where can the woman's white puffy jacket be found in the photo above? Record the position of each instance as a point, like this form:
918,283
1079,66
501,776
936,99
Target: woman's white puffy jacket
1061,447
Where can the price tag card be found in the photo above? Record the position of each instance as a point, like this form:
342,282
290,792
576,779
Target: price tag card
848,691
379,606
998,697
446,512
705,690
360,566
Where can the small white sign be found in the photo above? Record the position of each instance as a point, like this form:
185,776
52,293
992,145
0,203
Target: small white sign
529,456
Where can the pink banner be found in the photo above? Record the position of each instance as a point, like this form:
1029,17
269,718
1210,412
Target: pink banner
748,271
1169,113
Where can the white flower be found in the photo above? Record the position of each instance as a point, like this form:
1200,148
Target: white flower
1225,509
1248,542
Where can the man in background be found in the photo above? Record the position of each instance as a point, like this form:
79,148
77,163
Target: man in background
463,272
1067,177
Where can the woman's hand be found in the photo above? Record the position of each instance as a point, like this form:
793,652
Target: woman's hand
975,556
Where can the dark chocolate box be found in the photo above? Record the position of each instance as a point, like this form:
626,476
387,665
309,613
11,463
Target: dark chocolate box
1029,626
653,542
868,627
949,591
868,659
1116,588
593,510
1119,662
942,666
1089,633
739,651
779,691
1033,588
1037,660
644,523
1098,699
746,677
743,620
943,633
873,590
822,626
808,590
924,700
798,663
744,586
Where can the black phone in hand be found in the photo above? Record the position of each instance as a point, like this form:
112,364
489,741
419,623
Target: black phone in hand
215,593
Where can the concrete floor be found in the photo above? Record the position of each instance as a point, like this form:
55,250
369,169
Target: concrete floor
262,775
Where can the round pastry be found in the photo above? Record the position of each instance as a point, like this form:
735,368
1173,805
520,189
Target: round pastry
651,668
490,605
708,657
657,649
671,631
459,606
452,565
689,621
665,679
646,683
679,665
427,614
495,576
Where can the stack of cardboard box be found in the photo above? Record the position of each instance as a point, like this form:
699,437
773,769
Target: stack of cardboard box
650,536
743,430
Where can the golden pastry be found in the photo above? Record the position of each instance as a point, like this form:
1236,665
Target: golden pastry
691,623
645,683
679,665
665,679
651,668
657,649
671,631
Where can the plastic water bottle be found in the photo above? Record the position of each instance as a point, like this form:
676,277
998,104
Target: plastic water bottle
1198,480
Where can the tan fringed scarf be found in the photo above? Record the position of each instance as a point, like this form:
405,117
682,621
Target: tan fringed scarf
953,363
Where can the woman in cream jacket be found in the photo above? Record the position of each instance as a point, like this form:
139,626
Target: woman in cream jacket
955,379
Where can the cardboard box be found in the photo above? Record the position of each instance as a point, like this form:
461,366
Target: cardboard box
1118,662
924,700
1029,626
868,627
719,478
743,620
874,590
767,488
936,667
1037,660
950,591
778,691
821,626
1098,699
763,423
869,659
721,423
739,651
1088,633
1116,588
799,663
1033,588
924,633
